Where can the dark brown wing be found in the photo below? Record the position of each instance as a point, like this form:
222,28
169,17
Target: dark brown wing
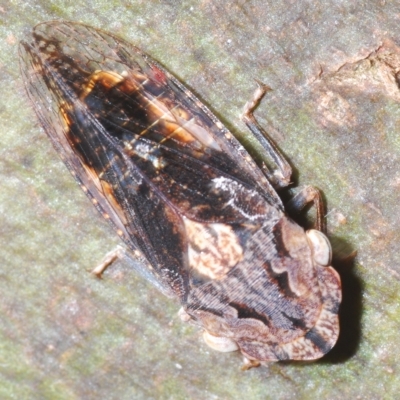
146,151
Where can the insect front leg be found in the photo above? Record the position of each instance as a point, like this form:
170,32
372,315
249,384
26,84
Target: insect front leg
281,176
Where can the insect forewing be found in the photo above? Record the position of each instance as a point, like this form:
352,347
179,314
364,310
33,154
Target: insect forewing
146,151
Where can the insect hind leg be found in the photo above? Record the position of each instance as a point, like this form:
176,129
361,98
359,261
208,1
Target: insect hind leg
281,176
116,254
137,263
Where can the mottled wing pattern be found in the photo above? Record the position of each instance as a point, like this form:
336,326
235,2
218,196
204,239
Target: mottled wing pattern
146,151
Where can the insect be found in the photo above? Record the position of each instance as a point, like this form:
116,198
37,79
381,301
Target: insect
199,218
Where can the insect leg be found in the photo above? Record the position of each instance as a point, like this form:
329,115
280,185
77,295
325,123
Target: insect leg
321,248
281,176
306,196
249,364
138,263
117,254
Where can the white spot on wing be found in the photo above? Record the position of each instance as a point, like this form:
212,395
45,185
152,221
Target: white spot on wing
234,189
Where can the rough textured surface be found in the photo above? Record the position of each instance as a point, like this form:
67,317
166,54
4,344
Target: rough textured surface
334,112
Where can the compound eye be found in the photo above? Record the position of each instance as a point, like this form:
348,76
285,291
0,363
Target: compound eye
322,251
222,344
